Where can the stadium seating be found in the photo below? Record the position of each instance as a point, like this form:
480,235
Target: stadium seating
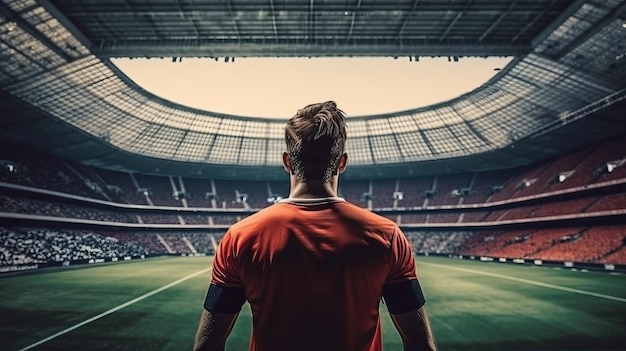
484,185
122,183
581,169
357,192
426,242
565,207
415,190
412,218
160,190
28,246
384,190
450,217
448,189
200,192
588,245
474,216
24,165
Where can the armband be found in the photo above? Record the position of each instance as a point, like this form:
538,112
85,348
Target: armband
224,299
403,297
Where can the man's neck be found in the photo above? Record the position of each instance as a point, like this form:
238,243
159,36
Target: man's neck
311,190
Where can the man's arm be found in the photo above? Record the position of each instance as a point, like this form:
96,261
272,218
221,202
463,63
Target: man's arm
405,299
213,330
414,329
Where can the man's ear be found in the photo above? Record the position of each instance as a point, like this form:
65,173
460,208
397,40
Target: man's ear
287,163
343,163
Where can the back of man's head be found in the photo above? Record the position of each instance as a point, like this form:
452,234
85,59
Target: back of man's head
315,139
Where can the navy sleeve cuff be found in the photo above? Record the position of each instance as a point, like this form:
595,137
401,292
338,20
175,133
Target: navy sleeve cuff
403,297
224,299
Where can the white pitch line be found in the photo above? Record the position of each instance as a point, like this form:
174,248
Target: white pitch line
531,282
115,309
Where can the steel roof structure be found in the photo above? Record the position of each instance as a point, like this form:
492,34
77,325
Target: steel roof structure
310,28
565,88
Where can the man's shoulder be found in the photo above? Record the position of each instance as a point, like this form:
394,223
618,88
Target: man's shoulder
267,214
369,221
285,211
366,214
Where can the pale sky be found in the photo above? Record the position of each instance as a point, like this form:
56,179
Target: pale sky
278,87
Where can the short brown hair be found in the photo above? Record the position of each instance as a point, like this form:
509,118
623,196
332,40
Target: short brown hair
316,138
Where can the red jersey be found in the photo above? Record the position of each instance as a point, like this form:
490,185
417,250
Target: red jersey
313,271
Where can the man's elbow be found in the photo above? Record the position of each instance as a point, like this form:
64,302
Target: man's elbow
414,329
213,330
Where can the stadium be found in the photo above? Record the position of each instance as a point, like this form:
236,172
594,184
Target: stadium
113,199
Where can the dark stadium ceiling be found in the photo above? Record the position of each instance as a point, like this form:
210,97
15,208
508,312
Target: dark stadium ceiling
565,88
130,28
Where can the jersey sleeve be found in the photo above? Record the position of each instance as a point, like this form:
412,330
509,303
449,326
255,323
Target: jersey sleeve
226,293
402,291
402,267
225,264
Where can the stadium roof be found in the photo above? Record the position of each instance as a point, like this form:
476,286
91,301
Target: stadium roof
564,89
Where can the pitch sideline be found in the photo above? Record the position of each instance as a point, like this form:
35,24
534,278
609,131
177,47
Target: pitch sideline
531,282
115,309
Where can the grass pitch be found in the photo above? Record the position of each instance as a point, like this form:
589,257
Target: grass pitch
155,305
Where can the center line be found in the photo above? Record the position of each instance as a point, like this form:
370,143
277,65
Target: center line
114,309
531,282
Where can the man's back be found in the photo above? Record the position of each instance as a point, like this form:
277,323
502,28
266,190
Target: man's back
313,272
